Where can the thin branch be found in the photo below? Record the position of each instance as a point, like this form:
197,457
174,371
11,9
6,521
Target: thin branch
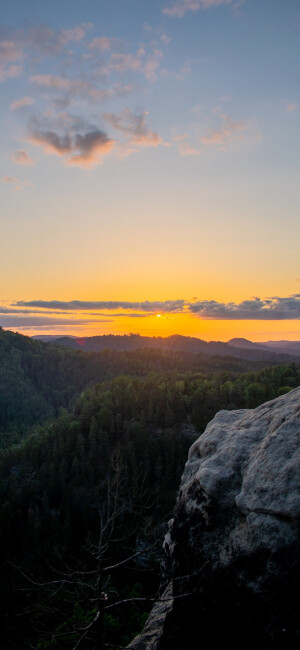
132,600
86,631
131,557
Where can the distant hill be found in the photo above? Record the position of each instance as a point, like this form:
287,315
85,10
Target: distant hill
238,347
246,344
279,347
289,347
48,338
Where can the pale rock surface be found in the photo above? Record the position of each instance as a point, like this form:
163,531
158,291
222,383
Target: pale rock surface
153,630
234,542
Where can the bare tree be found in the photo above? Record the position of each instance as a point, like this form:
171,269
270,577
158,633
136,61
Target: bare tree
81,595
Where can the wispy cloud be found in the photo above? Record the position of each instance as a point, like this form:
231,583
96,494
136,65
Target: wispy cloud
104,44
122,62
15,45
10,54
56,82
230,131
164,38
79,143
184,147
134,125
22,103
75,34
28,322
181,7
152,64
65,91
10,71
291,108
104,54
68,90
183,71
18,45
144,61
225,133
50,41
21,157
15,183
9,50
107,69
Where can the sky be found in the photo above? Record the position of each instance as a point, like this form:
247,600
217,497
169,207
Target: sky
149,168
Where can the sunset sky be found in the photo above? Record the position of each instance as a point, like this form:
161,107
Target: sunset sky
150,167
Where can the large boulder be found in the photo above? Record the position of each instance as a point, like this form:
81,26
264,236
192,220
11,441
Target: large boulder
232,551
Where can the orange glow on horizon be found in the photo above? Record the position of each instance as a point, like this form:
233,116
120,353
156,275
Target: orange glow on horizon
165,325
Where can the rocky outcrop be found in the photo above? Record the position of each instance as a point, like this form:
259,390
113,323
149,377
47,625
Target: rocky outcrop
153,631
232,551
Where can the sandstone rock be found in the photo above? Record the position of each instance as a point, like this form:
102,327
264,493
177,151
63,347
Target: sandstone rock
153,630
233,546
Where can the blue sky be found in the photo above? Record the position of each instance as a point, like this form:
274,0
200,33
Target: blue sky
150,151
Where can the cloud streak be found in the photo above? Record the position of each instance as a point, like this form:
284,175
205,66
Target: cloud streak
16,45
184,147
49,41
43,321
22,103
231,130
10,71
167,306
180,8
104,44
15,183
274,308
291,108
143,62
68,90
134,125
226,134
21,157
10,55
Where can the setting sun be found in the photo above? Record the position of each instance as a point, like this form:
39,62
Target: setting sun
149,304
133,193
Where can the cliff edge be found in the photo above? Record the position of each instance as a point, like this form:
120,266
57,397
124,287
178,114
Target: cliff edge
232,551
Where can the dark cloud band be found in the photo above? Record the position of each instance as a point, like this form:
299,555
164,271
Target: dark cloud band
44,321
274,308
269,309
167,306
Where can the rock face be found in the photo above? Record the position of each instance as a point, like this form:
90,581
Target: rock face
232,550
152,633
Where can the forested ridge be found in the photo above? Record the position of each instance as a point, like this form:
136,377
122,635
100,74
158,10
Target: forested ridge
239,348
37,379
80,432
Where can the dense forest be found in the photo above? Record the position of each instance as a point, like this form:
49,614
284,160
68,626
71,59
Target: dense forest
93,447
38,379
